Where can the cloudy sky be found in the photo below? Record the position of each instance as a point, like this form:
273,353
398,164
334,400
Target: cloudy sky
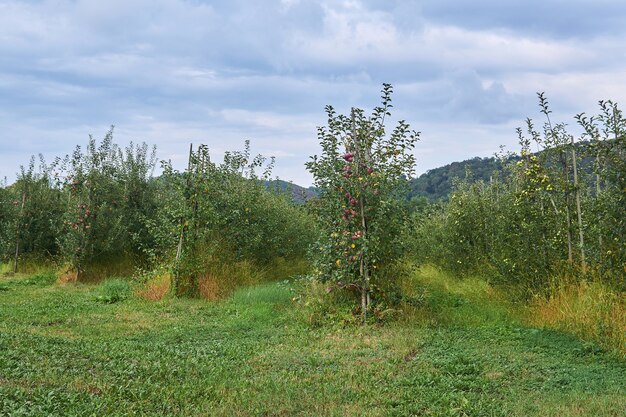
171,72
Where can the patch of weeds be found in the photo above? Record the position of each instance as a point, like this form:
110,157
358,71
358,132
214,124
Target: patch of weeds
269,293
42,279
324,304
114,290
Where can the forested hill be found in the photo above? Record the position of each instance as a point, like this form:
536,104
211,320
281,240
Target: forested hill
436,184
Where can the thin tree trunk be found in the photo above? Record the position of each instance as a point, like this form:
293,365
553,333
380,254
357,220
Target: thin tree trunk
581,235
544,240
18,233
363,269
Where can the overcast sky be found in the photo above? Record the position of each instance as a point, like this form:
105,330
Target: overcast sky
171,72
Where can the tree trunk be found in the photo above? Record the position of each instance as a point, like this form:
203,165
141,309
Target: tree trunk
360,159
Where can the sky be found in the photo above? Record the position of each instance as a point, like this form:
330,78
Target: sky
173,72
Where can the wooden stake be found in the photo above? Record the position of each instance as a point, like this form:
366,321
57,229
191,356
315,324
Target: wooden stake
179,249
17,233
579,214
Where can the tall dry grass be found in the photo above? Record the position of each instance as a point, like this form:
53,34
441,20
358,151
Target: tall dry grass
221,279
156,288
591,311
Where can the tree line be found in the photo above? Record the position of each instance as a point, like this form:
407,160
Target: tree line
539,218
102,209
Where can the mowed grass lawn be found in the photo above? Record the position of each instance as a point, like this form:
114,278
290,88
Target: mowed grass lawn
66,352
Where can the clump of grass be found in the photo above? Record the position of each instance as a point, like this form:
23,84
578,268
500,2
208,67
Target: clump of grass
434,298
221,279
268,294
41,279
6,268
155,288
209,287
114,290
589,310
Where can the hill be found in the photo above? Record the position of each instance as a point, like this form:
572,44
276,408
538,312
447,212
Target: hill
298,193
436,184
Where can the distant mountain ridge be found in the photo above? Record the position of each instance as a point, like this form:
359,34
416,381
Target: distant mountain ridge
437,184
298,193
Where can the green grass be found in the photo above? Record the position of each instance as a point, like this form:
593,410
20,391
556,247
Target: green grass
461,352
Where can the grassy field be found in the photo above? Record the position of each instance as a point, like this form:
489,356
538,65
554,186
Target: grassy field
69,350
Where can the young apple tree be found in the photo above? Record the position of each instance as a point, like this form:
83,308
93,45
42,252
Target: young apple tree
360,174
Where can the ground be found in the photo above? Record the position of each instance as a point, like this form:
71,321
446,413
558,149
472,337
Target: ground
66,351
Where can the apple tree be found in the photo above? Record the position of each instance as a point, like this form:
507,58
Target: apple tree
360,174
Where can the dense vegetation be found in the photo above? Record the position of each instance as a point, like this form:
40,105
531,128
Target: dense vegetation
99,212
546,219
527,254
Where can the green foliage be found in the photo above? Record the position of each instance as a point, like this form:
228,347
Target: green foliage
8,219
99,213
224,214
546,219
606,226
360,173
108,195
30,212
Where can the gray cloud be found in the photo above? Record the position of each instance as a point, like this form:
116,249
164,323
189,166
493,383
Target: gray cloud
557,19
173,71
